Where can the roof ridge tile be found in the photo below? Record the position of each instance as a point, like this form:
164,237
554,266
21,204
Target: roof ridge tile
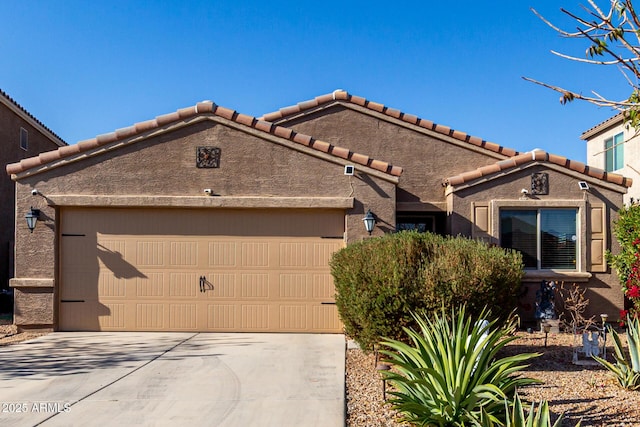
536,156
203,108
342,95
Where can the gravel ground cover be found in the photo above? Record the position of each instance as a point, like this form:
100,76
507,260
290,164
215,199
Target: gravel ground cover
9,333
589,393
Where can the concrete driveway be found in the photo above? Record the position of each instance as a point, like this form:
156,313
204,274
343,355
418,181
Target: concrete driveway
177,379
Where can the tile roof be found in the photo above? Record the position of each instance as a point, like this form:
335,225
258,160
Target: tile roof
202,109
537,156
602,126
11,103
343,96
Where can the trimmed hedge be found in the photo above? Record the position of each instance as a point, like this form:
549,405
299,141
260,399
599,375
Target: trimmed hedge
380,282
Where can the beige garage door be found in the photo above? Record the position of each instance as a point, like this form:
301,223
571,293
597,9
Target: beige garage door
198,270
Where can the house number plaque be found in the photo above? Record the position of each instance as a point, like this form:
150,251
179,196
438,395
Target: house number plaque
208,157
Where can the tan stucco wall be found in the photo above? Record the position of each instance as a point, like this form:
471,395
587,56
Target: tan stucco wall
165,166
603,288
426,159
10,151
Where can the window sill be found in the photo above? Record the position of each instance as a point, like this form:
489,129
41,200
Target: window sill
570,276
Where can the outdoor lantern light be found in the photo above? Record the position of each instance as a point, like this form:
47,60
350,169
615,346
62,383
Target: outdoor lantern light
32,218
369,221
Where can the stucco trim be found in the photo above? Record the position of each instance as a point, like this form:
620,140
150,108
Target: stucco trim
573,276
421,206
31,283
201,201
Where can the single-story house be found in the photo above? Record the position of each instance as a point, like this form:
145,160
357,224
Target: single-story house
210,220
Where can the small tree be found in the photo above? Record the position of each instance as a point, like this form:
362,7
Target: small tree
627,262
613,39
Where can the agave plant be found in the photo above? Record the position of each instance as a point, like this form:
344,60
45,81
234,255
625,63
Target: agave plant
451,376
626,372
537,417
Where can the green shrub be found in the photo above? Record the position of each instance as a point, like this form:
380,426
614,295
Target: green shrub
449,375
380,281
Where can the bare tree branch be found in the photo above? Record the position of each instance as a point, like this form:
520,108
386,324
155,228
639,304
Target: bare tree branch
613,39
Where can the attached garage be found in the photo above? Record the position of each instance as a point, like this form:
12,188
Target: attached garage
237,270
201,220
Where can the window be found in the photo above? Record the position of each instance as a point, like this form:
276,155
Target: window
614,153
415,221
547,238
24,139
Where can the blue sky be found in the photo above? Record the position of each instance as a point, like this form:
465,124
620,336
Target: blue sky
85,68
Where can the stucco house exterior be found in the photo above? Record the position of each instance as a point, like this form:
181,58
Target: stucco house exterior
210,220
21,136
613,146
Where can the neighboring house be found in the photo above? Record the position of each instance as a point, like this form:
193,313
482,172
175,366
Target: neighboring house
21,136
613,146
209,220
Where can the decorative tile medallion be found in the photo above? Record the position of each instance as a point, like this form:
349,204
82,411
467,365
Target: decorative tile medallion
208,157
539,183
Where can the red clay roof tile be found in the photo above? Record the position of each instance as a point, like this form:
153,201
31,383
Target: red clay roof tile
321,145
263,126
532,157
282,132
359,158
167,118
226,113
187,112
410,118
106,138
245,119
126,132
303,139
204,108
340,152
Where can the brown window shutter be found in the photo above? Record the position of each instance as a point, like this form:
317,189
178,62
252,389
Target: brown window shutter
597,238
480,216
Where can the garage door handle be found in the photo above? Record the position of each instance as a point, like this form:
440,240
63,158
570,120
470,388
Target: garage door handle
202,280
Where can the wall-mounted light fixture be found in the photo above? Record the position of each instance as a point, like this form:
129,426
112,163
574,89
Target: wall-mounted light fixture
32,218
369,221
584,186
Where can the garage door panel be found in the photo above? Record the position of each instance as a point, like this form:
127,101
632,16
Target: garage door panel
221,285
150,286
150,316
222,254
293,317
183,285
145,281
325,318
114,319
254,317
293,286
223,317
323,288
183,316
